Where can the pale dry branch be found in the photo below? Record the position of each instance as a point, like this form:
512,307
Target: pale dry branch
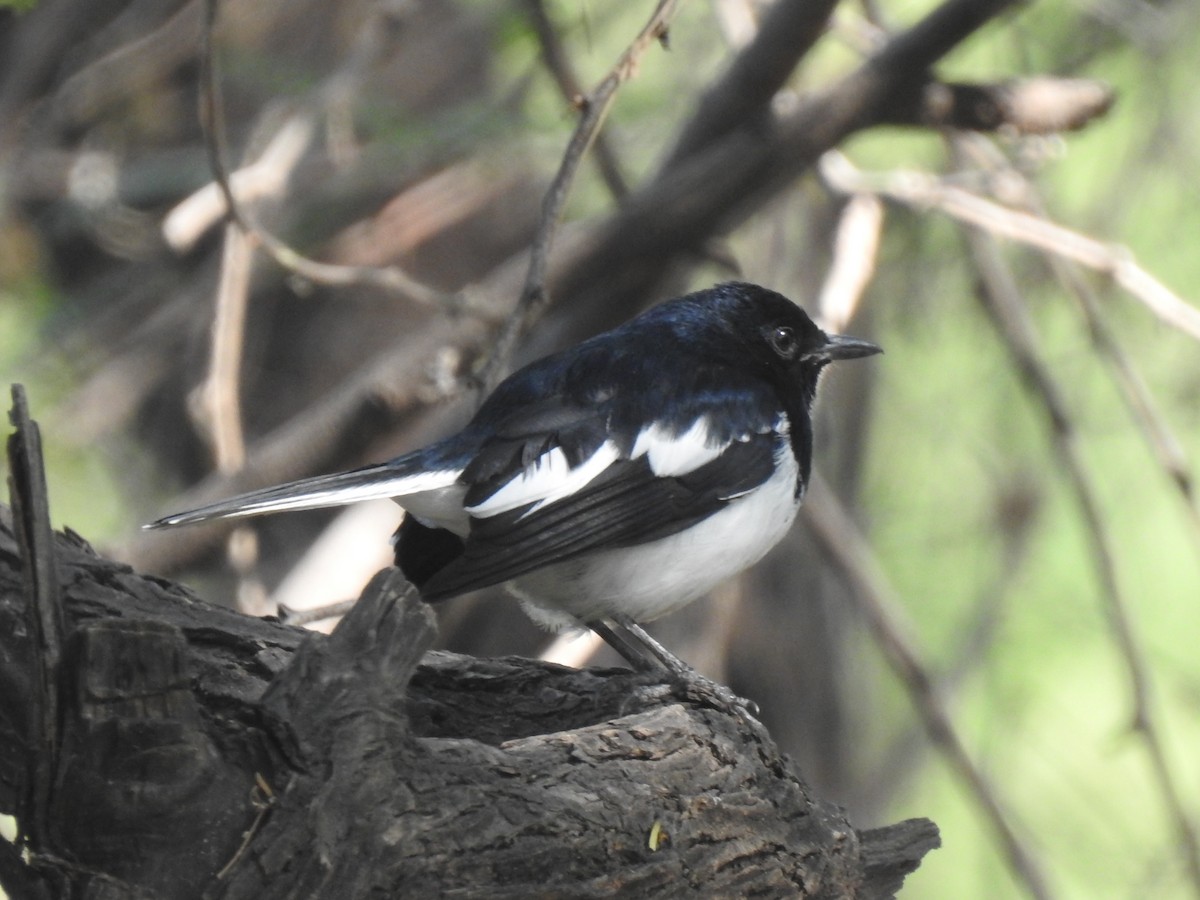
923,191
217,402
1031,226
192,217
420,212
340,562
572,648
855,250
326,616
216,406
1164,444
422,370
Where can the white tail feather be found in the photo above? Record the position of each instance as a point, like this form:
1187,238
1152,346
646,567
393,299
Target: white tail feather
375,482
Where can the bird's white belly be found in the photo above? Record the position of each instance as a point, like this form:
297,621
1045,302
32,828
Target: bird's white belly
653,579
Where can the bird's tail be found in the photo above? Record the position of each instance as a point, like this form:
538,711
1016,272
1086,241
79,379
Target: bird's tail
369,483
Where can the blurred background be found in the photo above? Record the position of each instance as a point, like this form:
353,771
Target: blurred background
1005,538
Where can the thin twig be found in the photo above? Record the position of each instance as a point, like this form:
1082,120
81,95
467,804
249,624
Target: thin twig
716,190
219,394
595,108
875,599
1061,244
1017,513
1167,448
218,406
1003,303
263,798
219,402
574,648
924,191
558,64
388,278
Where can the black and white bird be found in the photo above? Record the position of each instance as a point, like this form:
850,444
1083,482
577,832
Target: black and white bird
616,481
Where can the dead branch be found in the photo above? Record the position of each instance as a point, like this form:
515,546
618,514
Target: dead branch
925,191
1025,106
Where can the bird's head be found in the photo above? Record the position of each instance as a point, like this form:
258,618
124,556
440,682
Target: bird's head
775,333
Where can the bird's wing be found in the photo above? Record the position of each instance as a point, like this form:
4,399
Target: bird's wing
586,490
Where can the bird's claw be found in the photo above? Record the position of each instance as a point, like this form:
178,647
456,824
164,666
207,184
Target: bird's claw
695,688
690,687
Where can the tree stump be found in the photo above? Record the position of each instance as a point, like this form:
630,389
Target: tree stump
154,745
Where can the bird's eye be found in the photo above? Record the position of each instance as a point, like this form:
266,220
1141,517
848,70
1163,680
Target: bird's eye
784,342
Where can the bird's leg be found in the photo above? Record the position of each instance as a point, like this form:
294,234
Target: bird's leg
653,650
647,655
640,657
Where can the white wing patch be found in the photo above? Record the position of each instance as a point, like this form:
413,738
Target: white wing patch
677,454
547,479
550,478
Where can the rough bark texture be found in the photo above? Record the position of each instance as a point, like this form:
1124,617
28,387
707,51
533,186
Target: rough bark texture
198,752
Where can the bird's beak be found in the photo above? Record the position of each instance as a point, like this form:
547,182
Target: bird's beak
840,346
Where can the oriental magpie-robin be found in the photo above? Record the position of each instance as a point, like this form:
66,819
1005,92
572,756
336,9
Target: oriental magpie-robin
615,481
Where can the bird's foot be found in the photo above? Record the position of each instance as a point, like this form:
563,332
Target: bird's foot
692,687
682,682
659,688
